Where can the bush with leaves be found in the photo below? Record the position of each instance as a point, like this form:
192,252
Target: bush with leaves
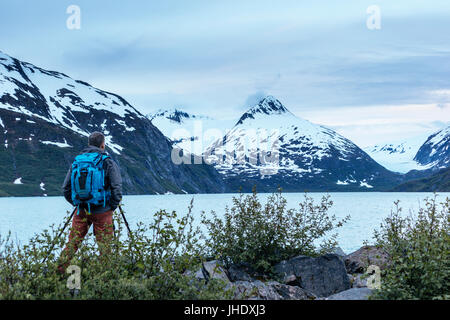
150,264
262,235
418,248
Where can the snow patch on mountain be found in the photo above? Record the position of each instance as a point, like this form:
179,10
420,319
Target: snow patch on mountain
114,147
58,144
365,184
123,124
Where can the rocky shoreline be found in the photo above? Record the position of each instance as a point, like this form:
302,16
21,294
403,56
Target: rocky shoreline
333,276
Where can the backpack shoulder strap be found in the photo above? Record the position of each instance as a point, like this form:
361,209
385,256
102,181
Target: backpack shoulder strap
102,159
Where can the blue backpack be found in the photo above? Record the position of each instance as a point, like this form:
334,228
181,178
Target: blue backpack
88,180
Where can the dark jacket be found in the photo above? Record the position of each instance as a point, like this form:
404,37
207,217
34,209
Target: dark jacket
113,182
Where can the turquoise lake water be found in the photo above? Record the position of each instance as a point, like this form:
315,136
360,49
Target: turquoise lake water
27,216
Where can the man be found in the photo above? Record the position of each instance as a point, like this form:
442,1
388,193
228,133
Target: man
101,216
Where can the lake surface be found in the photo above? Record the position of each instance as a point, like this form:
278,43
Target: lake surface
27,216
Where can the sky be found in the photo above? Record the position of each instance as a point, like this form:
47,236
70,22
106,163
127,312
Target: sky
319,58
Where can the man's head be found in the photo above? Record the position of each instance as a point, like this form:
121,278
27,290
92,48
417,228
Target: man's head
97,139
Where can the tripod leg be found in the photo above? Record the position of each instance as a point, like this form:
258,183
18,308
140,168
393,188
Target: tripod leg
59,235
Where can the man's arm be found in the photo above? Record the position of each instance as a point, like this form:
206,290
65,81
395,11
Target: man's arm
67,186
115,181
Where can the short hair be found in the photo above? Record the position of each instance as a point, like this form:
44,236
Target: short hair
96,139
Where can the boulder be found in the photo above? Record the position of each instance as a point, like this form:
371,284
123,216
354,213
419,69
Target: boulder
209,270
351,278
352,294
338,251
257,290
240,272
323,276
215,270
358,261
291,292
272,290
360,281
198,274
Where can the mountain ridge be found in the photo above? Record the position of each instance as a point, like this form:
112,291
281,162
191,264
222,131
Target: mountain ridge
395,156
311,157
435,182
46,114
435,151
398,156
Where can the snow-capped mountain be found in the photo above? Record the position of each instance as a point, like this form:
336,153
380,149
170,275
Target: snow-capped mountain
422,153
270,147
398,156
435,152
176,116
45,119
60,100
190,132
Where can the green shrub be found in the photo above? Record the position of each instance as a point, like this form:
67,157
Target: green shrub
151,264
418,247
263,235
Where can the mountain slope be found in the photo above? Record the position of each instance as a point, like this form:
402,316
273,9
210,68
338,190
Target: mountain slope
437,182
45,119
398,156
435,152
271,147
190,132
426,153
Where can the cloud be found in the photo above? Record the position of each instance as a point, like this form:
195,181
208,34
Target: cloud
253,99
221,57
367,125
438,124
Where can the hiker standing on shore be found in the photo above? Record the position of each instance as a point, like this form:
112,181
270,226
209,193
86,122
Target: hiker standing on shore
94,185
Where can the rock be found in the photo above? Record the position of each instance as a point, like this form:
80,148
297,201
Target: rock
291,292
351,294
198,274
338,251
240,273
257,290
209,270
215,270
358,261
351,278
360,281
323,276
272,290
